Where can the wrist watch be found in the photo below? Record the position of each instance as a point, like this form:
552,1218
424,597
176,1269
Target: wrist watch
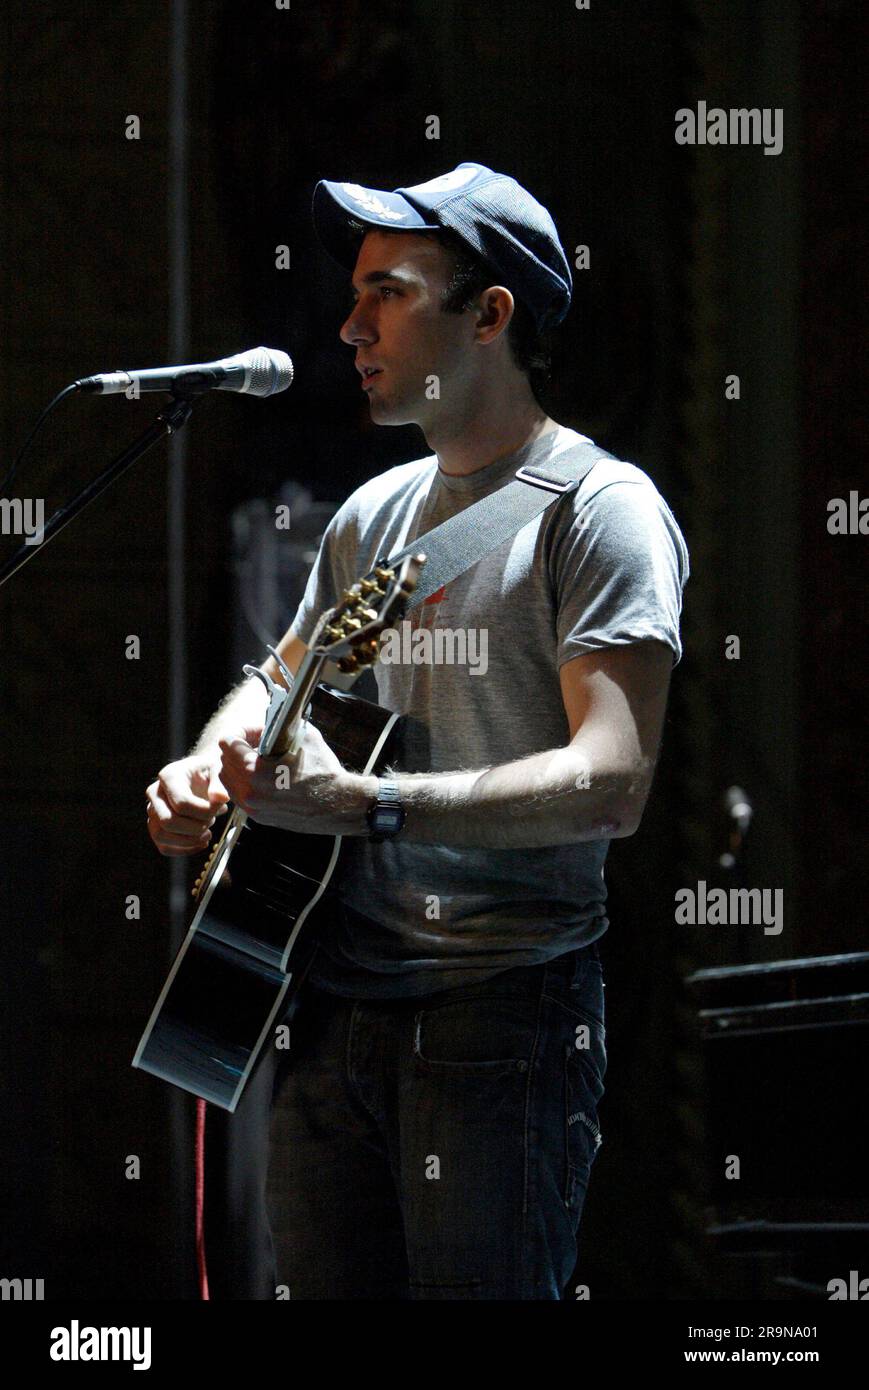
385,815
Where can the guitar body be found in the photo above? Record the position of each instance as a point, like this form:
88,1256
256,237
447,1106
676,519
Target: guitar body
255,931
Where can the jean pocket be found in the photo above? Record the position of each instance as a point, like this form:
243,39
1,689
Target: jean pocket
584,1070
581,994
486,1033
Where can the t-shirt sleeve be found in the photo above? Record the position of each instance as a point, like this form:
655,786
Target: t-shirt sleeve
327,579
620,571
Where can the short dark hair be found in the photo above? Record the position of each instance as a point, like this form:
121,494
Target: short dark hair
530,347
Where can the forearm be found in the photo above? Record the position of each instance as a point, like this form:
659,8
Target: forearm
552,798
243,708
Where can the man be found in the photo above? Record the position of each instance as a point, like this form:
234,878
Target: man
440,1105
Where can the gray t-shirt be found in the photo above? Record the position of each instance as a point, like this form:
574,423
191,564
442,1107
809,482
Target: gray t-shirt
603,566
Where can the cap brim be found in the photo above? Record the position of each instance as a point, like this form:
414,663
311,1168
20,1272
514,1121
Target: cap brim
335,205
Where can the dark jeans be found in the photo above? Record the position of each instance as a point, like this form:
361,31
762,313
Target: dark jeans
439,1147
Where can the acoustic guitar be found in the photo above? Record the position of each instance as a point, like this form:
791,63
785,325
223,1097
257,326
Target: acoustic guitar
263,890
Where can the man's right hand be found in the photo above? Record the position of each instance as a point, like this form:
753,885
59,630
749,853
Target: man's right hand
184,802
188,795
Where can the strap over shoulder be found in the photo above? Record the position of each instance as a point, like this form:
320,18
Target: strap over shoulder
464,539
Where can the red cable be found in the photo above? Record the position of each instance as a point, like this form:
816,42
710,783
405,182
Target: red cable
200,1200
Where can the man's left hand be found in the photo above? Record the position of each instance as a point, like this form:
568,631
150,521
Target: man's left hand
309,792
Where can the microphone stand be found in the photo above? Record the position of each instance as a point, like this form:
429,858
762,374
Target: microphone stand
171,419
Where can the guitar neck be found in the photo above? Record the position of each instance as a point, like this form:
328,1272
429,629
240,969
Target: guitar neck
284,737
348,635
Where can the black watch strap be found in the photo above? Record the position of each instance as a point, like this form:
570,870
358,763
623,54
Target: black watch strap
386,815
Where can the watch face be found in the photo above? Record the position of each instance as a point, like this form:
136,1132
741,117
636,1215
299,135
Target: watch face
387,815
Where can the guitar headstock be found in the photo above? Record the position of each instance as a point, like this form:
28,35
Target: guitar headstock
349,634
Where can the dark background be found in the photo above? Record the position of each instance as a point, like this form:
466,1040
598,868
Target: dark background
704,262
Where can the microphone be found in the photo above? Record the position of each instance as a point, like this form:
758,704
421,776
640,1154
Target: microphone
260,372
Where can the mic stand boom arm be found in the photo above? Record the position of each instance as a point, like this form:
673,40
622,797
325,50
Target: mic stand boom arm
169,421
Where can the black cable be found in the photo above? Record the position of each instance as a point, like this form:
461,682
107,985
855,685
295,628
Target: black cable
33,433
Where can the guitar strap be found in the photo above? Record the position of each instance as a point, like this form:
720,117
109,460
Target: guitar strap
459,542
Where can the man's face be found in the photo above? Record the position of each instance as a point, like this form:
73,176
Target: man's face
397,325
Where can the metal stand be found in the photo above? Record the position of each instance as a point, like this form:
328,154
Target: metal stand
169,421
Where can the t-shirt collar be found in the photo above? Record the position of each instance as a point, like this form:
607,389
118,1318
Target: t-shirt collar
493,474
